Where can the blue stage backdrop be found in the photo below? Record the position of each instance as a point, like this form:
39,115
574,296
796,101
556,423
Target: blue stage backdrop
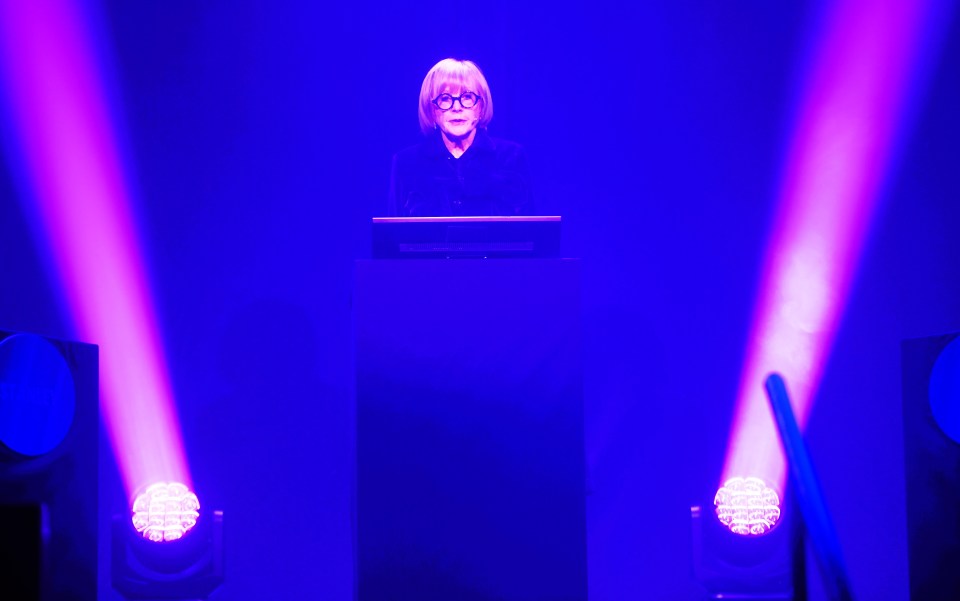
260,136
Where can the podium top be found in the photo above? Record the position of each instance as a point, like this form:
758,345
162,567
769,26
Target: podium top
466,237
468,219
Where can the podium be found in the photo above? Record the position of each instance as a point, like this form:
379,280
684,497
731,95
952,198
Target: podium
470,478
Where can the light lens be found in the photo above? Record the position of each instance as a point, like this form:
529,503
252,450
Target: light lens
747,506
165,511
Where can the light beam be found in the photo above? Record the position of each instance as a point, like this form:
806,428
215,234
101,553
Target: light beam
841,149
60,123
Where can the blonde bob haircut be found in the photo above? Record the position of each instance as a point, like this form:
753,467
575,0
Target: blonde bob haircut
453,75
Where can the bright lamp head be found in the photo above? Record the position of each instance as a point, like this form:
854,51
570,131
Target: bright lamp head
747,506
165,511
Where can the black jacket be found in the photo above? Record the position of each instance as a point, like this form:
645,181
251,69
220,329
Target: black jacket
490,178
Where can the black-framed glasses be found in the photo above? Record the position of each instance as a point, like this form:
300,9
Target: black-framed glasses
467,100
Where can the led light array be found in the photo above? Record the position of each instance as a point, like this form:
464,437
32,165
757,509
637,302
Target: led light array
747,506
165,511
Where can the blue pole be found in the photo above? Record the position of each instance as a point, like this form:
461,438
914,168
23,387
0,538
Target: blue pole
813,506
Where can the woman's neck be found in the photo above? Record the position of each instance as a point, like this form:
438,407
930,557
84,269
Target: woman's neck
458,146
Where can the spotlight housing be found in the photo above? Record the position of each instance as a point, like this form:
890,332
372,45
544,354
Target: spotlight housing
729,565
187,568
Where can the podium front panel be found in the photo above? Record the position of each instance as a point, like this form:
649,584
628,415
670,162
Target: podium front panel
470,455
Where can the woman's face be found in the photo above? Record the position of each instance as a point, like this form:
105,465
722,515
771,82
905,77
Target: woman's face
457,122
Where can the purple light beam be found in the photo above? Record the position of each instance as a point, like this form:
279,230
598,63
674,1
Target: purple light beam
842,147
63,129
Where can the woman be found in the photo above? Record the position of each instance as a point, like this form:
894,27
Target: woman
458,169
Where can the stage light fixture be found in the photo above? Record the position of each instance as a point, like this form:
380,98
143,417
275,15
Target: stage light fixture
189,566
732,564
931,457
165,512
48,468
37,396
747,506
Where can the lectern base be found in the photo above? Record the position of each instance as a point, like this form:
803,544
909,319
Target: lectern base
470,467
